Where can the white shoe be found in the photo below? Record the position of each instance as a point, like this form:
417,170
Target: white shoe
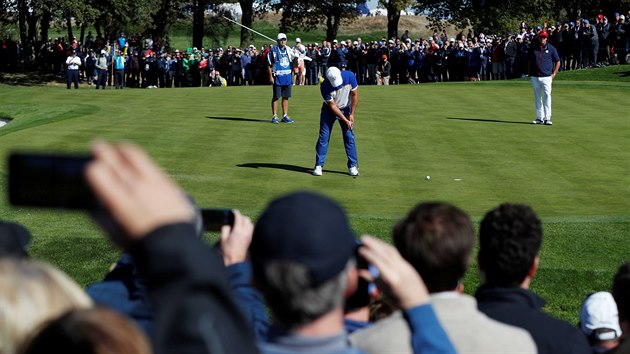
317,171
353,171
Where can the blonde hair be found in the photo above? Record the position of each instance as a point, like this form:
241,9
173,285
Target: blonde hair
31,293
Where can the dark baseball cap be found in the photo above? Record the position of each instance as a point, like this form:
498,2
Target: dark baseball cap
305,228
14,240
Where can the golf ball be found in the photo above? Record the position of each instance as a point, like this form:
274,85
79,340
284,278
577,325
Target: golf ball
427,177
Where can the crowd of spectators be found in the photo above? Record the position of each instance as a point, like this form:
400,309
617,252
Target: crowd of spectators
326,291
581,43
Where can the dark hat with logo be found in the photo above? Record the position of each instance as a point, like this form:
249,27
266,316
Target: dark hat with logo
14,240
305,228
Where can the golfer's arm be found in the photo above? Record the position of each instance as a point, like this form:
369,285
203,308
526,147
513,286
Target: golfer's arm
336,110
354,96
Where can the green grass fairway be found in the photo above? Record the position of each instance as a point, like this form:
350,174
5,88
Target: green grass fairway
475,140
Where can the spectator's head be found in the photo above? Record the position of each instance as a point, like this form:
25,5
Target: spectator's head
599,320
14,240
621,293
509,239
437,239
302,252
32,293
89,331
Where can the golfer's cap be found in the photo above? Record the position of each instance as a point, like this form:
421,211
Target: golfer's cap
599,317
281,36
333,75
298,40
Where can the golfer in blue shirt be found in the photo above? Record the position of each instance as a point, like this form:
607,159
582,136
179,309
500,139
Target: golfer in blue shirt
341,97
543,65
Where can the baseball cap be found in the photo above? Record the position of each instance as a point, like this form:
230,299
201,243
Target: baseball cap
390,41
333,75
518,36
599,316
543,33
298,40
600,16
335,41
14,240
585,21
622,17
281,36
572,23
306,228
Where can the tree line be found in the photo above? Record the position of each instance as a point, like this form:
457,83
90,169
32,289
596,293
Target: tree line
154,18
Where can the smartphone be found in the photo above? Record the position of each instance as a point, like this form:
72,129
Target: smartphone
49,181
361,296
213,219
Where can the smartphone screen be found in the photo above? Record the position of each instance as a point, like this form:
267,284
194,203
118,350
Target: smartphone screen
213,219
49,181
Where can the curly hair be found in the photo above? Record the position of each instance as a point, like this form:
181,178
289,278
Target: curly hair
509,239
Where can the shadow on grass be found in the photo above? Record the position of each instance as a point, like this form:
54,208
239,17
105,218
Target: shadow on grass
281,166
488,120
622,73
240,119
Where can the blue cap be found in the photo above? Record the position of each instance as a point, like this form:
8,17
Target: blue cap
585,21
305,228
616,14
572,23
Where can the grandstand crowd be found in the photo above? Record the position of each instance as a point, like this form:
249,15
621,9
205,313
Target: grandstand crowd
298,281
145,63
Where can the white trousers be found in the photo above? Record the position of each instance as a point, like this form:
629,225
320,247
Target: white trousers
542,97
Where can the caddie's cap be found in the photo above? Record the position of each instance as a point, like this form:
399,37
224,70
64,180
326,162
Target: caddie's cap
305,228
14,240
281,36
599,317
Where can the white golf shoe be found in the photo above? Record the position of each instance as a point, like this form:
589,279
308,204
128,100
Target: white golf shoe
353,171
317,171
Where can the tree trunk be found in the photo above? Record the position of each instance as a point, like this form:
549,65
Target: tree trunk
69,26
44,25
198,23
247,6
22,20
393,16
82,35
332,26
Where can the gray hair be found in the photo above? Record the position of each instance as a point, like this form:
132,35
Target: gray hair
292,299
